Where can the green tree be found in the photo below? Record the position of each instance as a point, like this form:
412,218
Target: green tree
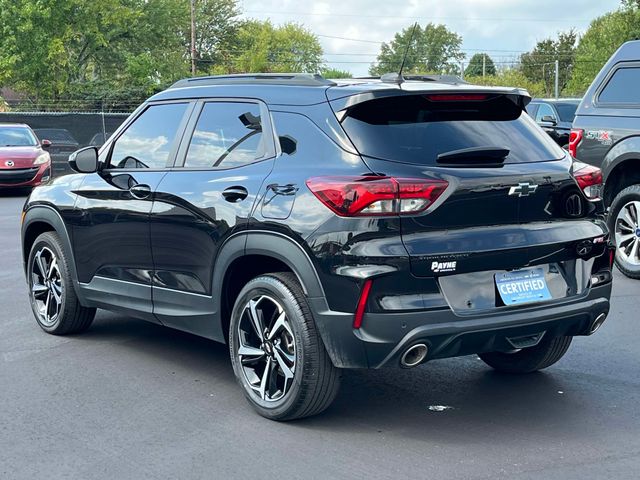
432,49
334,73
475,67
511,77
603,37
262,47
47,46
538,65
216,32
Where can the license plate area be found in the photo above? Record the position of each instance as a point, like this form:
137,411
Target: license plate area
522,286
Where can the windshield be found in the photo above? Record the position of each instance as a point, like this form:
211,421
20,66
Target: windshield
567,111
417,128
17,137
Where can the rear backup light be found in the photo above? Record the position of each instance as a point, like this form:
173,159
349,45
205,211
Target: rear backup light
457,97
575,137
589,179
375,196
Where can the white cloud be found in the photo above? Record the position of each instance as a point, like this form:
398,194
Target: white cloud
503,28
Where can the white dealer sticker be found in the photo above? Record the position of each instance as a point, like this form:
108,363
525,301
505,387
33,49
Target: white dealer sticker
440,267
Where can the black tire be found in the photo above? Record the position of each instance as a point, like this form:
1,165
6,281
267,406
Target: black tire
315,379
532,359
71,317
629,194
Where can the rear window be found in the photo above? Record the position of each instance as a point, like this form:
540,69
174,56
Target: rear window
567,111
55,135
415,129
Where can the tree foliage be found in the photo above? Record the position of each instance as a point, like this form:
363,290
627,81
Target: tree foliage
334,73
431,49
538,65
475,67
603,37
512,77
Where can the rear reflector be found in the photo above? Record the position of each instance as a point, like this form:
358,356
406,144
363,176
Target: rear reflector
589,179
457,97
575,137
375,196
362,303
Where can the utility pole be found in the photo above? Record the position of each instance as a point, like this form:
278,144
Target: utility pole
557,77
462,70
484,64
193,37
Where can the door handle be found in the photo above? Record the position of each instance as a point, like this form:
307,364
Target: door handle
140,191
235,194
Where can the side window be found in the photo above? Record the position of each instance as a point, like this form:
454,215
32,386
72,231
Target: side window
148,141
543,111
622,88
226,135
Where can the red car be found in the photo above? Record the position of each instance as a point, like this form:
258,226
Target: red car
24,161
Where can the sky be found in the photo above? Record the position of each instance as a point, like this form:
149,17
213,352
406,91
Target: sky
502,28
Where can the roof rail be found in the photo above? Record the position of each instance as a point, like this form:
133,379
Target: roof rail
296,79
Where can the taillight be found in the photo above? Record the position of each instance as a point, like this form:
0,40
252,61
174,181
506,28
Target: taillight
575,137
589,179
372,196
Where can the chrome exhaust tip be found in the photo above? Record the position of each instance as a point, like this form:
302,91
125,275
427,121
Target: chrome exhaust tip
597,323
414,355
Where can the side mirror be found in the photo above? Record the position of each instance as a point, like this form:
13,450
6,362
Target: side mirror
45,144
84,160
548,119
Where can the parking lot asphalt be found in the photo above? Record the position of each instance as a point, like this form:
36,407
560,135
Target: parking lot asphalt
134,400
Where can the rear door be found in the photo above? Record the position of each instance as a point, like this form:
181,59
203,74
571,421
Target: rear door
497,214
208,196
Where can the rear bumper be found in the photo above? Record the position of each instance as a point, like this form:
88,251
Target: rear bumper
385,336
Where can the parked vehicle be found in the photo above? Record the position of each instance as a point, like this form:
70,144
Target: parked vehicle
555,117
317,225
99,138
62,145
24,161
606,133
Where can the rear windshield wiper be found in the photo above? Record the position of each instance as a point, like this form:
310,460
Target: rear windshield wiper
474,156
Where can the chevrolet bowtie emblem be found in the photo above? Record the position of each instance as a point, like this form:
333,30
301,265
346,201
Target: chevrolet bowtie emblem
523,189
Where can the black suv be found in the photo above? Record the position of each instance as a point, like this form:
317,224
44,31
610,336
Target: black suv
606,133
317,225
555,117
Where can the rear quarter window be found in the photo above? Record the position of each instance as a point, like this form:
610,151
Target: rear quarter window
622,88
414,129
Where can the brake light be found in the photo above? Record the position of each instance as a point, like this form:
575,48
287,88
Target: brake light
575,137
589,179
374,196
457,97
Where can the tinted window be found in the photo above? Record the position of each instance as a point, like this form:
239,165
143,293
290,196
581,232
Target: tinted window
414,129
227,135
532,108
543,111
17,137
147,142
55,135
622,88
567,111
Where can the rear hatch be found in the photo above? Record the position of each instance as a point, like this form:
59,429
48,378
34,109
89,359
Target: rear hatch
512,200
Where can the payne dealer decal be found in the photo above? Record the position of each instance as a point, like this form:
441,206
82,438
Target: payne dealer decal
440,267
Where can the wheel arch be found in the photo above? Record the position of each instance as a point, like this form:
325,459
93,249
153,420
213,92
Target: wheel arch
250,254
621,167
43,218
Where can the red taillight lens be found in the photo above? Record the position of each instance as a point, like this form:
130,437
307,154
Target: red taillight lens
373,196
589,179
575,137
457,97
362,304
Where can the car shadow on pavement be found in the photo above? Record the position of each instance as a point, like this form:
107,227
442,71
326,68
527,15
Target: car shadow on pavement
446,399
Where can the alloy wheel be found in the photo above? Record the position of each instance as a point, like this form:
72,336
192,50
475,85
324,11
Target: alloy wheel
627,232
46,286
266,348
